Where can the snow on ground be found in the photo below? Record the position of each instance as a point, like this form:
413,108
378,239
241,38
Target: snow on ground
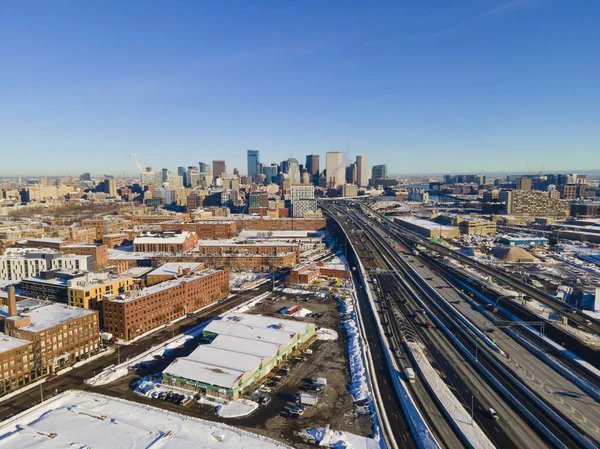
115,372
239,278
239,407
294,291
299,313
458,414
81,419
359,387
338,439
324,333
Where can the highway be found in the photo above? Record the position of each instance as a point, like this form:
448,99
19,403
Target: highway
511,431
412,238
542,376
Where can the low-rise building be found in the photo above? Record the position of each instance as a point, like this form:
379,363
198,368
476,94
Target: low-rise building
165,241
135,312
245,348
60,335
51,285
15,363
428,228
99,253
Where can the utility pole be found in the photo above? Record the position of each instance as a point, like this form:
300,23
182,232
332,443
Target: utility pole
41,392
472,410
118,355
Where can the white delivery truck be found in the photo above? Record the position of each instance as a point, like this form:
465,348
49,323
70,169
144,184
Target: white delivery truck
410,374
106,336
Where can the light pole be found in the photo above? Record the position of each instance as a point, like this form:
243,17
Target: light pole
118,355
472,410
41,393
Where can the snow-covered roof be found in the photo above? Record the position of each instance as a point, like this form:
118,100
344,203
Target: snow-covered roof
425,224
82,419
202,372
7,343
172,268
45,314
47,240
239,344
213,355
162,238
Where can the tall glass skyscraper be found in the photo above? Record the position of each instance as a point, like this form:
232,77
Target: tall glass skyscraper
253,164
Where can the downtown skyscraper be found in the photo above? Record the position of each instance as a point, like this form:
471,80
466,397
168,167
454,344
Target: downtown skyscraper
253,164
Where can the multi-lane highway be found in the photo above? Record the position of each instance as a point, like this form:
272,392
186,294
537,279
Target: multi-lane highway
511,431
567,398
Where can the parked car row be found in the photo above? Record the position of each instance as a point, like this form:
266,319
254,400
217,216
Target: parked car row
175,398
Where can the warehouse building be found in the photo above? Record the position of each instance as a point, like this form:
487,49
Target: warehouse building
245,349
427,228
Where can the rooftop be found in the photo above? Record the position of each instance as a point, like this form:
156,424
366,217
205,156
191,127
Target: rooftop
45,314
163,237
426,224
7,343
172,268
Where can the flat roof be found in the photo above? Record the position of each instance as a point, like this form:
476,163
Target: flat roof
133,295
8,343
235,345
237,361
83,419
187,368
172,268
47,240
426,224
45,314
162,238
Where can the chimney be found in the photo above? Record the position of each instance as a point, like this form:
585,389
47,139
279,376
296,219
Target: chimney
179,271
12,301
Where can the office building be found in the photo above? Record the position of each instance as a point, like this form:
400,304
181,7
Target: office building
349,191
301,192
335,170
312,164
253,164
379,172
362,170
165,174
293,171
219,168
523,183
270,172
350,174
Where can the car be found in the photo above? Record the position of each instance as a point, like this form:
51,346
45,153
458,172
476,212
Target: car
490,330
492,414
421,311
429,324
264,400
272,384
162,395
264,389
169,397
51,377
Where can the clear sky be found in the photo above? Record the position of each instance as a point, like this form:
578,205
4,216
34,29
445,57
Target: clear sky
424,86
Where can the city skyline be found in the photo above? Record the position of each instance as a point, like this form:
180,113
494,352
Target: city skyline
396,82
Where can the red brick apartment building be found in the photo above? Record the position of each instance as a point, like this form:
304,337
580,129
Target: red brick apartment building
58,335
206,230
139,311
165,242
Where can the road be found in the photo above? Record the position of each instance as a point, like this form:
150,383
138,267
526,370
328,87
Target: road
512,429
74,379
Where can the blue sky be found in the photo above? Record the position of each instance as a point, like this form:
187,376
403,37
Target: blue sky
424,86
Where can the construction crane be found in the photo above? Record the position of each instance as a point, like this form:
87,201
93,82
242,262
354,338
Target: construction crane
542,169
135,160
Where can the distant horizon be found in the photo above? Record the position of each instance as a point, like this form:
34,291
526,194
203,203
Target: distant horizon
593,172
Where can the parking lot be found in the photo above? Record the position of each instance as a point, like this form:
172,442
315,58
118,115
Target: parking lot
281,413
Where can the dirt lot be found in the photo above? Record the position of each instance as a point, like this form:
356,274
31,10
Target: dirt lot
329,360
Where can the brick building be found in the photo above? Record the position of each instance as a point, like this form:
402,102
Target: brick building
206,230
268,248
166,241
98,252
60,335
15,363
253,262
138,311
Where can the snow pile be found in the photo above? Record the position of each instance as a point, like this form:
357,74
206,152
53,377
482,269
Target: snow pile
238,278
239,407
359,389
82,419
294,291
338,439
108,375
324,333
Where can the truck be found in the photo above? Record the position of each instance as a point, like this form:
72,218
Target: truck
106,336
410,374
321,381
308,398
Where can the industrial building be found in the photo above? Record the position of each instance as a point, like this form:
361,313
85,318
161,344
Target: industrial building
428,228
244,349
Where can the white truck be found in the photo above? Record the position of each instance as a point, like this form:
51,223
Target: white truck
106,336
410,374
321,381
308,399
